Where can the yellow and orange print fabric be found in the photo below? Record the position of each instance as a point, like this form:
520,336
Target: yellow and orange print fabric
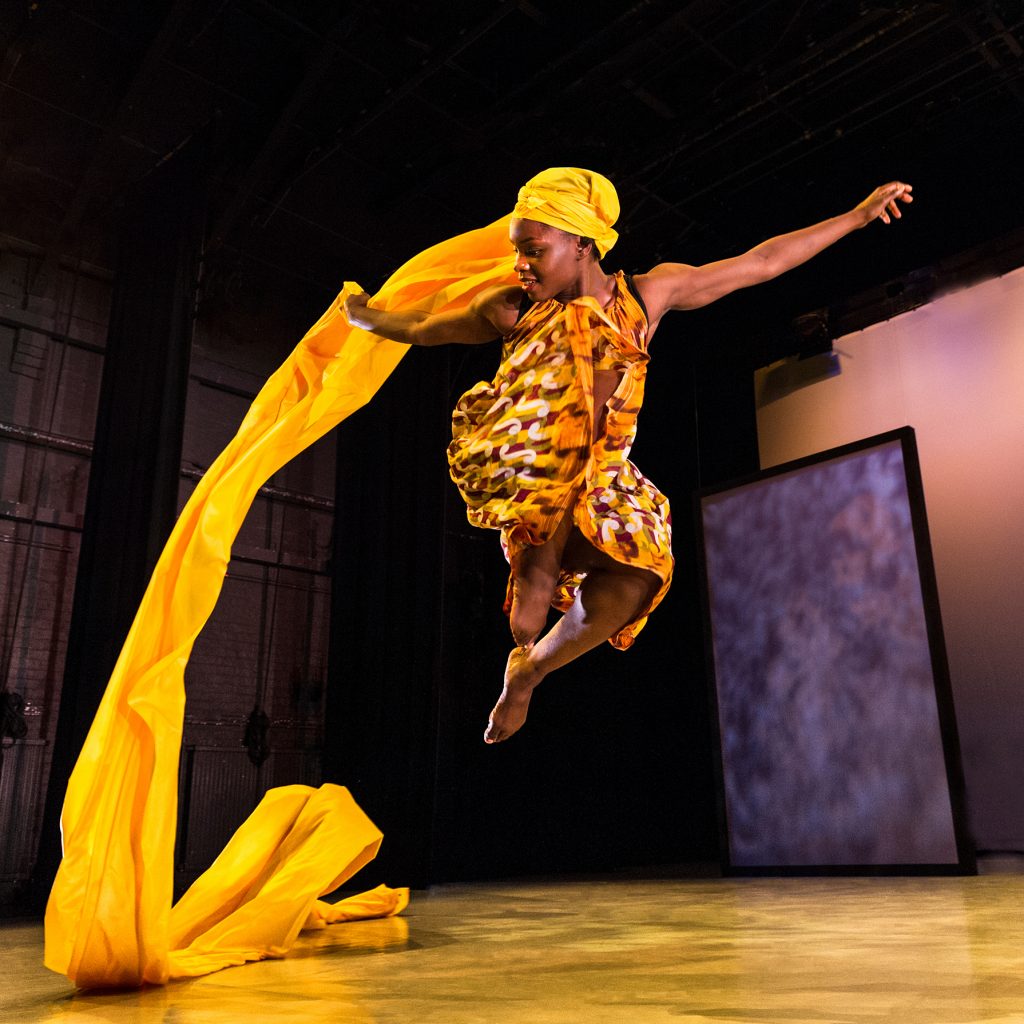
523,450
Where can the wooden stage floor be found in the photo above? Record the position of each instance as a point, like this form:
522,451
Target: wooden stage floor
885,951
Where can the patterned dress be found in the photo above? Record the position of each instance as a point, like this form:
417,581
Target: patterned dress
524,452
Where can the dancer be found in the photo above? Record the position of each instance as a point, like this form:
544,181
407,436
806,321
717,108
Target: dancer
541,451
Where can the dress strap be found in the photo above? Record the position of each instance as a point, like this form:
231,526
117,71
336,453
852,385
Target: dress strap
628,278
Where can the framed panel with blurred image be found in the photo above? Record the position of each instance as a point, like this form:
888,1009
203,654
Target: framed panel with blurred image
837,744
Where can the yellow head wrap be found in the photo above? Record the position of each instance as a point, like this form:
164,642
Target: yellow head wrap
581,202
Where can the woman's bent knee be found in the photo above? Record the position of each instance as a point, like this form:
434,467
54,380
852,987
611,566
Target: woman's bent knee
529,614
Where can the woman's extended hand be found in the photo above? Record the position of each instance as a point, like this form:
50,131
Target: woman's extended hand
882,203
356,311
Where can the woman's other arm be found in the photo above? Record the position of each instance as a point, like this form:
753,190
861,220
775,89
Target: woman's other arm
679,286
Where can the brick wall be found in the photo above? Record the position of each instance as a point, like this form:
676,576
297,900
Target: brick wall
51,358
267,638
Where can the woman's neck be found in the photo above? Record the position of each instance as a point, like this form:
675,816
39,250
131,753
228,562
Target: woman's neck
593,282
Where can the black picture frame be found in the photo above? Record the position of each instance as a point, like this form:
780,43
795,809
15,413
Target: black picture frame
960,858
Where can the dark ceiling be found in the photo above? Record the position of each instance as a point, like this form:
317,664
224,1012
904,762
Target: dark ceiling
342,139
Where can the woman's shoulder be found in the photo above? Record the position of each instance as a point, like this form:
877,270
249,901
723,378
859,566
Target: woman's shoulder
500,305
655,290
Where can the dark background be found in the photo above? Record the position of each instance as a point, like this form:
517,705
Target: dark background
270,150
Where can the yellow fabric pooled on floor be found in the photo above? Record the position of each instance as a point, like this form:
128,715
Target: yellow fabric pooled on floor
109,921
379,902
298,844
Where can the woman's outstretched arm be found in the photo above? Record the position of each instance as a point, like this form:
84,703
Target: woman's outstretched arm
678,286
490,314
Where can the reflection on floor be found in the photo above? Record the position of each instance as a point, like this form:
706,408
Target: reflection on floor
899,950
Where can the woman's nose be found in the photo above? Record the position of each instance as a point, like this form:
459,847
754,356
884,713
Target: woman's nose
521,264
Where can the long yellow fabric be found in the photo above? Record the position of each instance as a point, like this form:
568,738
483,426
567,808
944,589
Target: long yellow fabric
108,920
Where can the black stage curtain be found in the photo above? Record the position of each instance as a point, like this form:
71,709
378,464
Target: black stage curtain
387,609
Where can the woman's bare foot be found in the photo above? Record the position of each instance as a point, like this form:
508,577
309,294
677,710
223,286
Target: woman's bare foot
521,677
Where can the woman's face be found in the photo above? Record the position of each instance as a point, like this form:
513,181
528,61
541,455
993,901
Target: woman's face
547,259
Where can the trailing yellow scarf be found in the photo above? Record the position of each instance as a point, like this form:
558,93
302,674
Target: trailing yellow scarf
109,921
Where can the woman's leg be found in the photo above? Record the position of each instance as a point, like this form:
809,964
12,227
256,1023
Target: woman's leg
535,572
611,595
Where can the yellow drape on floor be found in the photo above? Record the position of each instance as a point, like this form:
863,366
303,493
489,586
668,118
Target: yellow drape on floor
298,844
109,920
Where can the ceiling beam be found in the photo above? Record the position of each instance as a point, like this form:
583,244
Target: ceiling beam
92,176
344,135
318,68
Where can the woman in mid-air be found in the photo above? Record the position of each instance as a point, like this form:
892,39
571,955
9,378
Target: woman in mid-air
541,451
